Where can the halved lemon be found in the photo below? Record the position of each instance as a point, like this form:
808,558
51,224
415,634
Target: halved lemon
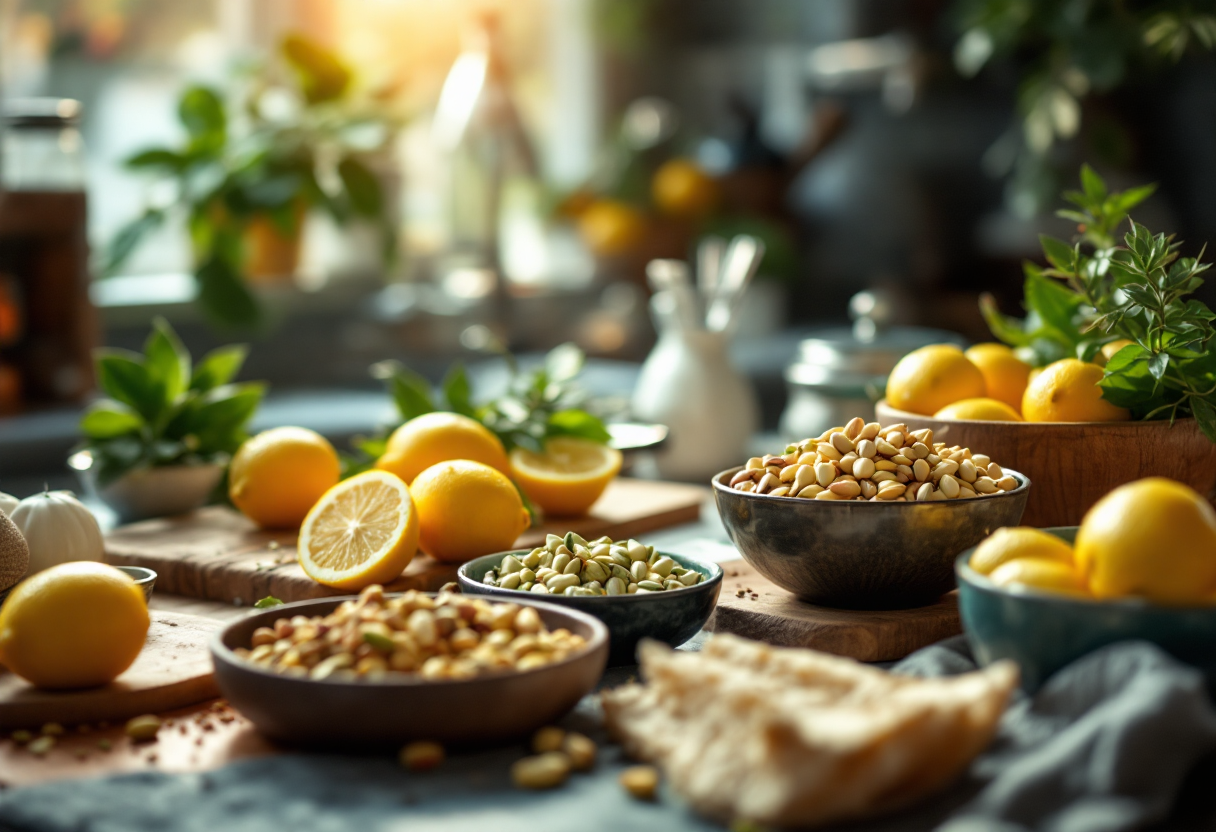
362,531
568,476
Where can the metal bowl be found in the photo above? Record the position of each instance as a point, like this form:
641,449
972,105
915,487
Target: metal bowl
144,578
860,554
1044,631
673,616
491,708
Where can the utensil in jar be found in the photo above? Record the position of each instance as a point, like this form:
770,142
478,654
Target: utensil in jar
742,262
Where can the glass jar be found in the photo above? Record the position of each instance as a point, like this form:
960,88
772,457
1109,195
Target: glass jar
43,148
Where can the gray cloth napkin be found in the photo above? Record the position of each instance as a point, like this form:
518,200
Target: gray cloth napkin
1104,746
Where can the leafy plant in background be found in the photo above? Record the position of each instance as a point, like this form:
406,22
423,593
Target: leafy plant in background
305,146
160,409
1096,291
537,406
1066,51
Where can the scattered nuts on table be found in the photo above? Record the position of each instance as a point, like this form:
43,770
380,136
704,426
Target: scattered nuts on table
640,781
571,565
21,736
864,461
581,750
41,746
421,756
52,729
143,728
448,636
549,738
542,771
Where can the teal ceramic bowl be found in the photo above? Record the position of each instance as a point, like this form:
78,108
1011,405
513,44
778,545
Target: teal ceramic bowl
673,616
1043,631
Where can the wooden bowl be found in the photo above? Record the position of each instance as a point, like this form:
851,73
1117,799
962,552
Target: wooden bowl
1074,464
487,709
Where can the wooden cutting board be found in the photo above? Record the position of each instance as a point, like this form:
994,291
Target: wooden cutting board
754,607
174,670
218,554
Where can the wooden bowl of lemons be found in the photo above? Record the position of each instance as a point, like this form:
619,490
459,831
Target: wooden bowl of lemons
1142,566
1071,443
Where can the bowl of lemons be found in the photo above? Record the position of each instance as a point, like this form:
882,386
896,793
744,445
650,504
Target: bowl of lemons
1141,566
1051,423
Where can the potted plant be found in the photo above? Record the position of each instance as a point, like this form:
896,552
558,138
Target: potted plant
307,132
157,444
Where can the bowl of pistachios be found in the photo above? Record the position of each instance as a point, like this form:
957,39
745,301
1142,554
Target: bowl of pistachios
636,590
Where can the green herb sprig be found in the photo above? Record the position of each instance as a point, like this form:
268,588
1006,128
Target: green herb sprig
161,410
1095,291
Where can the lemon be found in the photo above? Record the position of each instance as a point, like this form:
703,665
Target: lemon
926,380
611,228
568,477
437,437
1068,391
981,410
363,531
1154,538
1109,350
1005,375
75,625
1012,542
278,475
1039,573
682,189
466,509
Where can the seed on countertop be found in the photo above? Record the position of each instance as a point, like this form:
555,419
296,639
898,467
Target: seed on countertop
549,738
543,771
421,756
41,746
581,750
641,782
143,728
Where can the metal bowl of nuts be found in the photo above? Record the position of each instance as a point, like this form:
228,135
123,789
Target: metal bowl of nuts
378,669
871,518
658,595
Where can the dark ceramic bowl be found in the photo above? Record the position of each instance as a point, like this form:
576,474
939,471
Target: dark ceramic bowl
1044,631
673,616
859,554
488,709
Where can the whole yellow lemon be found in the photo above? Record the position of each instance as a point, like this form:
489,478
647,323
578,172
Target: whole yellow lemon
1015,542
1154,538
1068,391
1108,350
437,437
981,410
278,475
682,189
926,380
1005,375
466,509
75,625
1039,573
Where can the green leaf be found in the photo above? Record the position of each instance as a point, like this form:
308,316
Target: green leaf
219,366
1157,365
1059,253
224,297
268,602
362,187
1205,414
411,393
221,418
1003,327
1093,185
121,375
108,420
171,161
577,423
322,74
1054,303
129,237
457,392
202,113
166,360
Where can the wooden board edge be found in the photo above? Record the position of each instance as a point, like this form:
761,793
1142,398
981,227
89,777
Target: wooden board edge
89,709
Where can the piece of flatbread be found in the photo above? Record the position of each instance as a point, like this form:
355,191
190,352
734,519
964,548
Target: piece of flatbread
794,737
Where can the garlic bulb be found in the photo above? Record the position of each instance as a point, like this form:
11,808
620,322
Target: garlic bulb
58,529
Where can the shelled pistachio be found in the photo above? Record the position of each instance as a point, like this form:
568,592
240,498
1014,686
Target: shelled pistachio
571,565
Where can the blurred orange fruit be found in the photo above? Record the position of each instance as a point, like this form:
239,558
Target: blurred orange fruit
1005,375
611,228
681,188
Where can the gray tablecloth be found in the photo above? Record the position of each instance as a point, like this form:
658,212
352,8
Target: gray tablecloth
1104,746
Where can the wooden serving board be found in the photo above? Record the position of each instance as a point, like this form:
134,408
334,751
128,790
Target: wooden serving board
174,670
218,554
754,607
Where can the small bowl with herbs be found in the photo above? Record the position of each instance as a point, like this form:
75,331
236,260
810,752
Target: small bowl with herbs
638,591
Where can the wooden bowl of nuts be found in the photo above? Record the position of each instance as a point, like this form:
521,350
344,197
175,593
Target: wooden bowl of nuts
1073,464
866,516
382,669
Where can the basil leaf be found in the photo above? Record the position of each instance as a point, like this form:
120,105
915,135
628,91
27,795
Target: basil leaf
457,392
411,393
268,602
577,423
166,360
218,367
107,420
122,376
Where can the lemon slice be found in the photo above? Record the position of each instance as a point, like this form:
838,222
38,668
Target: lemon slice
362,531
568,476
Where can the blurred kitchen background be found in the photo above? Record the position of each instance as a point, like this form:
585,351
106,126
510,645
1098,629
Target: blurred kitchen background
421,180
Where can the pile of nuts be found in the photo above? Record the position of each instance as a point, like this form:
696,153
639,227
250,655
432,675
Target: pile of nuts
556,753
864,461
571,565
447,636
